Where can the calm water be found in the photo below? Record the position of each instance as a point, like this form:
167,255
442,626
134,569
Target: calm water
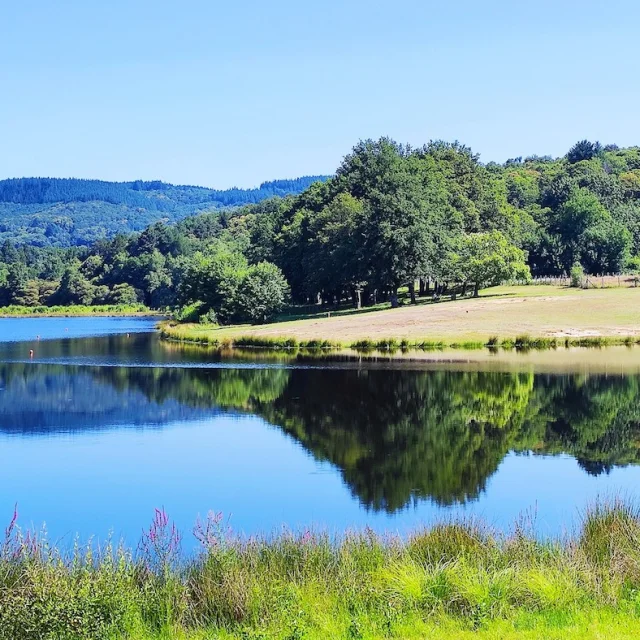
97,431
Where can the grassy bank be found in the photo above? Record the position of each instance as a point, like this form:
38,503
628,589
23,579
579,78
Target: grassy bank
455,580
534,316
213,337
16,311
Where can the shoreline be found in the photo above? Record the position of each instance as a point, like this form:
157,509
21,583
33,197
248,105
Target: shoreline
79,311
205,336
505,317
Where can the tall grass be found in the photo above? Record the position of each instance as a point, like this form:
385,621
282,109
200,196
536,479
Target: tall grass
457,575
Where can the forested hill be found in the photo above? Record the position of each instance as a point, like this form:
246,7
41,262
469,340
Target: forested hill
391,215
68,211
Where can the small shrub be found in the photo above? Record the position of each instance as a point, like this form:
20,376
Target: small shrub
210,317
576,275
191,312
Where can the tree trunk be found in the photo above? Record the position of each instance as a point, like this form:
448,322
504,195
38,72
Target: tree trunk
412,291
476,290
394,299
423,289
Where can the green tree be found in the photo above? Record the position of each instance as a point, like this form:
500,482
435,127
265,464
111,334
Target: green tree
262,293
605,247
489,259
583,150
74,288
580,212
19,287
334,255
123,294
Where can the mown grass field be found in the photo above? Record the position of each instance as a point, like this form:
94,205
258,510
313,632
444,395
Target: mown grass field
541,311
457,580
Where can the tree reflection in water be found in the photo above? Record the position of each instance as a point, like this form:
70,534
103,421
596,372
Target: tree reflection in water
396,436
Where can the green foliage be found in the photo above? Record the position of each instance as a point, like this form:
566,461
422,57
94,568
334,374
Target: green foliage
67,212
577,275
191,312
209,318
123,293
455,579
74,289
633,265
215,276
262,293
489,258
583,150
75,310
392,216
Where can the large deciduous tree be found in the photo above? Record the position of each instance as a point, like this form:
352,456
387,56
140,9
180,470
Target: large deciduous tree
489,259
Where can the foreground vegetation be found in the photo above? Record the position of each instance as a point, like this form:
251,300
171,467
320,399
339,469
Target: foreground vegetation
453,580
542,316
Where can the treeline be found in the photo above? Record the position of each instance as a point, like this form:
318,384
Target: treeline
391,217
140,192
67,212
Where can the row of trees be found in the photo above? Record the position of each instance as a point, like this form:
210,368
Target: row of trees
391,217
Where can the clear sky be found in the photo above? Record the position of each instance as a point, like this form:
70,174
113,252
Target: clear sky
234,93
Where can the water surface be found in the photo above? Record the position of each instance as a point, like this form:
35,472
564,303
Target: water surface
34,329
96,432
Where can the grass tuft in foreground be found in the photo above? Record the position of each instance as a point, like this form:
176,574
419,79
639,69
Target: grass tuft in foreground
453,580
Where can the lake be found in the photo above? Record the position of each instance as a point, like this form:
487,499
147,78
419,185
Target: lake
104,423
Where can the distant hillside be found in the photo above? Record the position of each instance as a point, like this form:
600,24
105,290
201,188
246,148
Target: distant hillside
67,211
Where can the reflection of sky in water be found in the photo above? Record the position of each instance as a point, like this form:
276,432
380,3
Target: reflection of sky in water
93,450
28,329
92,483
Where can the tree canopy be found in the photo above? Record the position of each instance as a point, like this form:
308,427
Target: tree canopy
390,217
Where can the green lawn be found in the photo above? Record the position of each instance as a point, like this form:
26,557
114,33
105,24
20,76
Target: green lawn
541,311
593,624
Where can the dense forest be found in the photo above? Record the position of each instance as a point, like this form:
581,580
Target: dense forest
67,212
392,216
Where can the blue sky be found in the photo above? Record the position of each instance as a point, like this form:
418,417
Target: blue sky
234,93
